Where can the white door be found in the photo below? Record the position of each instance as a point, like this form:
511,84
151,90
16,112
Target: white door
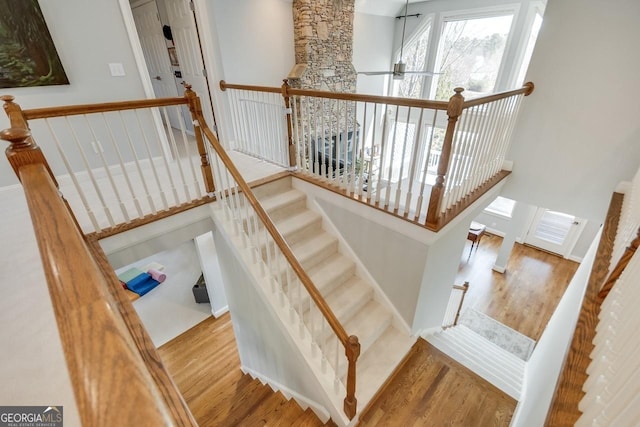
185,37
555,232
156,55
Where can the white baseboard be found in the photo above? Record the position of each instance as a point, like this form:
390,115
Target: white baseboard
429,331
304,402
495,232
220,312
11,187
575,258
499,268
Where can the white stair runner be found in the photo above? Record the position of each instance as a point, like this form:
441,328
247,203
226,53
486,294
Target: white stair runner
351,297
494,364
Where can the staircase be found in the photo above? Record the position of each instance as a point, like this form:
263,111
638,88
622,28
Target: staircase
356,301
489,361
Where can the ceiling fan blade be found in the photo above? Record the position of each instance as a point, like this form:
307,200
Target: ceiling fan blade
424,73
375,73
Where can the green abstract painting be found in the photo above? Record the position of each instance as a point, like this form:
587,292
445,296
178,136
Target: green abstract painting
28,56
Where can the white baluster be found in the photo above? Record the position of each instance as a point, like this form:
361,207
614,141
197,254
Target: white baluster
74,179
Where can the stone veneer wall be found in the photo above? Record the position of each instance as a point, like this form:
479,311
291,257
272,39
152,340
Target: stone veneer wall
323,34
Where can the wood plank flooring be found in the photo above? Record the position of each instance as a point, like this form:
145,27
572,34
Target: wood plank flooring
205,365
430,390
526,295
433,390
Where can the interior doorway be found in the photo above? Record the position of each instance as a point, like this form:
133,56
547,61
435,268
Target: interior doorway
170,44
554,232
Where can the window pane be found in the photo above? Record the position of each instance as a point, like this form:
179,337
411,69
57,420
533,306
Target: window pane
535,29
415,56
470,55
554,227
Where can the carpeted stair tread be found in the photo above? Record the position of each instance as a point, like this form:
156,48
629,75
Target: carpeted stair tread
379,361
331,272
284,204
348,298
368,324
294,227
486,359
315,249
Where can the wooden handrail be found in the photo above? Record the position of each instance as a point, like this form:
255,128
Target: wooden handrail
401,102
351,343
111,382
72,110
104,342
526,89
613,277
464,288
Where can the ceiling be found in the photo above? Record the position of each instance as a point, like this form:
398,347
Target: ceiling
382,7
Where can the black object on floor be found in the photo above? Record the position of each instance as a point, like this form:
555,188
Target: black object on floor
200,290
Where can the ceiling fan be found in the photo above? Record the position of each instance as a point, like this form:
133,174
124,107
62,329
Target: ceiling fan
399,68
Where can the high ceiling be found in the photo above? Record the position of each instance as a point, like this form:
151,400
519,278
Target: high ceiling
382,7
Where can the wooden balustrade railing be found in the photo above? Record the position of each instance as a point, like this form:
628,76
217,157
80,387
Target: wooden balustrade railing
117,376
350,342
137,165
619,267
337,139
454,307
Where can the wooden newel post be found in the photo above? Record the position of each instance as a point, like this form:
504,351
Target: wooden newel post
464,293
454,110
287,105
352,349
195,107
23,149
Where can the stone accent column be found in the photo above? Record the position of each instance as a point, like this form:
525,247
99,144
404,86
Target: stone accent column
323,34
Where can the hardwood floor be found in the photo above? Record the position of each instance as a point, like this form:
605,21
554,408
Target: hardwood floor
205,365
526,295
433,390
430,389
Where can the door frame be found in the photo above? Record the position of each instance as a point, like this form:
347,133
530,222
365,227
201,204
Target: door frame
210,51
572,237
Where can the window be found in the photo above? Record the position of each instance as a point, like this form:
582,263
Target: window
501,206
415,56
533,36
470,55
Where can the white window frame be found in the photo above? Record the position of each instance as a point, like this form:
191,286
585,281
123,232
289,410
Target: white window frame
476,13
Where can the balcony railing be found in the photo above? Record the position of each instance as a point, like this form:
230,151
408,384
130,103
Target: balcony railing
422,160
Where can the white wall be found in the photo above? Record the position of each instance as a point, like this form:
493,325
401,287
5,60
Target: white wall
500,225
263,345
547,358
256,40
395,261
578,134
88,36
372,51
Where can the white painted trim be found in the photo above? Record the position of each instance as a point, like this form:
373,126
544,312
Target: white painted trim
575,258
136,47
429,331
499,269
289,394
212,59
361,271
495,232
220,312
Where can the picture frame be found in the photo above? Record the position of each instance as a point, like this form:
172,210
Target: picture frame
173,56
